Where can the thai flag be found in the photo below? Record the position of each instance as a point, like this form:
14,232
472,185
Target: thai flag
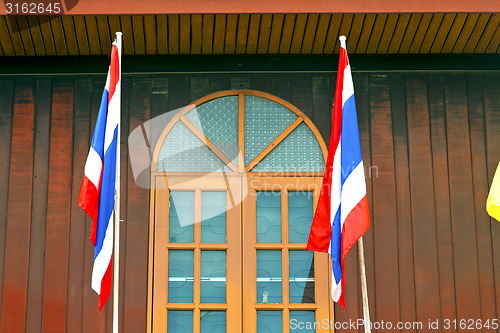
97,193
341,216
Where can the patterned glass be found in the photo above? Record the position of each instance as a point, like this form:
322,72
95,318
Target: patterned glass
298,152
213,277
301,280
268,206
269,276
264,121
180,276
269,321
300,215
181,217
213,321
182,151
180,321
302,322
218,120
213,217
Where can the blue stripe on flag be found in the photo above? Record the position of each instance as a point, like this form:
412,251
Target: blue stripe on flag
335,246
350,147
100,125
107,198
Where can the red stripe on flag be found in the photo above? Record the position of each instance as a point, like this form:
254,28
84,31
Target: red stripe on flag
105,285
114,72
89,202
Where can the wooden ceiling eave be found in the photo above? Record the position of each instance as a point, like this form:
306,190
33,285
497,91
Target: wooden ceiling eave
315,33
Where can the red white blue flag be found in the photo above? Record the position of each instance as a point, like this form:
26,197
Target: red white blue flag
97,193
341,216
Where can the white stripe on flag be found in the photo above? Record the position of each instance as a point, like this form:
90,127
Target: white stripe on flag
113,116
93,167
353,191
101,262
336,289
348,89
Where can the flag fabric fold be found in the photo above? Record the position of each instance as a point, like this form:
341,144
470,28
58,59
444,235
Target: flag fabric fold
493,201
342,215
97,193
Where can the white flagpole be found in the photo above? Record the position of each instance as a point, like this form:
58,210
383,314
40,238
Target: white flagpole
116,254
364,289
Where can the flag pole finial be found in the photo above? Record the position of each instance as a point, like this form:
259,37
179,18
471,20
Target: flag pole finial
342,41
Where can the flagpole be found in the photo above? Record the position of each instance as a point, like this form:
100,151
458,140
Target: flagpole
364,289
116,254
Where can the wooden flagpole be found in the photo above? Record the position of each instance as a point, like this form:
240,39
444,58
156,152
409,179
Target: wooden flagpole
116,254
364,289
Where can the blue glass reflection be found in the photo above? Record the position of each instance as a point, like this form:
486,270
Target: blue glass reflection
300,216
180,276
180,321
302,322
301,267
213,217
213,277
181,217
269,276
268,205
269,321
213,321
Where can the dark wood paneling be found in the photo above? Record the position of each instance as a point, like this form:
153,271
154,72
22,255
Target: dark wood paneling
77,239
137,219
430,149
55,285
422,202
384,200
461,198
17,233
39,207
7,90
403,199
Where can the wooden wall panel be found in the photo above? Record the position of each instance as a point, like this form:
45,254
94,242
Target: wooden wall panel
422,200
39,206
429,143
58,209
7,90
17,233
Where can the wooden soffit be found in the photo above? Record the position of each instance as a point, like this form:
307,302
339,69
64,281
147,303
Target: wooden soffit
281,33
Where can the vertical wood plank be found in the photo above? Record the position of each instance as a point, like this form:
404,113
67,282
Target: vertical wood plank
7,98
298,33
264,34
442,33
15,35
455,32
403,199
431,32
378,29
416,44
231,28
70,35
399,32
59,37
477,32
491,86
92,320
320,37
128,36
260,82
77,239
322,105
36,36
208,33
280,85
422,201
199,87
442,195
137,228
220,82
366,33
196,33
219,33
241,34
385,226
185,35
150,34
309,34
104,36
240,82
161,34
340,24
468,29
39,205
24,32
253,33
387,34
363,110
276,29
480,180
410,32
58,209
173,34
139,36
5,40
461,198
287,33
94,43
81,35
48,40
17,234
301,93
